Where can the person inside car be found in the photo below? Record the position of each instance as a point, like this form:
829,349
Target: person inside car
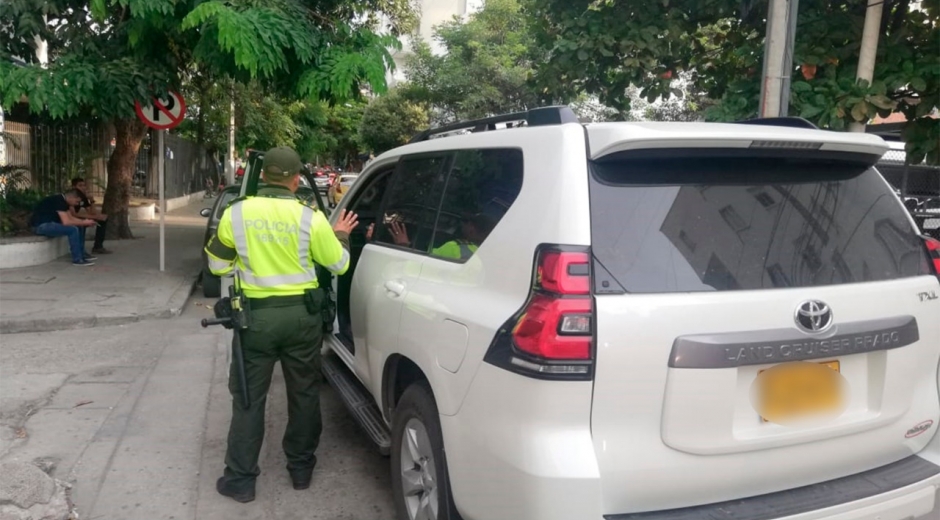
473,231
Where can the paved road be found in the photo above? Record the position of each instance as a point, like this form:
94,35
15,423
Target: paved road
351,481
136,416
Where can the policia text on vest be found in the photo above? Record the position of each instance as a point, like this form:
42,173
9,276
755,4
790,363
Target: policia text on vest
273,242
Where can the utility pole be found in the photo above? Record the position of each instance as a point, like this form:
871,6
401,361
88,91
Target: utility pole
778,58
868,51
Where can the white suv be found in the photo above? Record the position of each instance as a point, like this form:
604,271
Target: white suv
557,321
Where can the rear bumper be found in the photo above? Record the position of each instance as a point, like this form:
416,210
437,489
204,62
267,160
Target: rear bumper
522,448
906,489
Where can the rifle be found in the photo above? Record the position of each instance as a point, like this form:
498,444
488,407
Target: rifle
233,313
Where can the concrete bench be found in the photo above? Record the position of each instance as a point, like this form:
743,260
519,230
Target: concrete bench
31,250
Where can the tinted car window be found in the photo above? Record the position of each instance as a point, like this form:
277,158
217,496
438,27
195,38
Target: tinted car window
227,196
413,202
722,224
481,187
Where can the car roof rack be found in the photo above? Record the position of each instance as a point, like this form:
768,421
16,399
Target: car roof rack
791,122
543,116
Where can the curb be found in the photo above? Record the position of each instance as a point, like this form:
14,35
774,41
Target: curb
174,307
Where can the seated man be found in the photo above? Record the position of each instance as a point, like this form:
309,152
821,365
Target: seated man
53,218
473,230
91,212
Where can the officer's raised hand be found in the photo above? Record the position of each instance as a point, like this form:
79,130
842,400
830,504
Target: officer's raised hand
347,222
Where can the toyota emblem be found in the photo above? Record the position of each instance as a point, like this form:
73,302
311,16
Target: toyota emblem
813,316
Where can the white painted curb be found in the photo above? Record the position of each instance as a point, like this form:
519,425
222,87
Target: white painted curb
29,251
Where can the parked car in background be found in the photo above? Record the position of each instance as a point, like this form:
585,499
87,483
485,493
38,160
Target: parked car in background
212,284
340,187
322,179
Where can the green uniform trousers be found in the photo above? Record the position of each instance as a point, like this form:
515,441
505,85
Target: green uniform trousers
292,336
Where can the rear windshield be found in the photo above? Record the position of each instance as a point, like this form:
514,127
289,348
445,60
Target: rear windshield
683,224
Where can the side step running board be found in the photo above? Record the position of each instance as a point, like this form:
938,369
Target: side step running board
358,400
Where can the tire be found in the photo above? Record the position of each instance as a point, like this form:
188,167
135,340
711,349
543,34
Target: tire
417,413
211,285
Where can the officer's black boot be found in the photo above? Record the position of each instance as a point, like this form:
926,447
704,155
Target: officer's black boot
301,479
224,488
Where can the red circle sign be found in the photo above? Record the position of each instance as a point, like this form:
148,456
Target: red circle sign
163,113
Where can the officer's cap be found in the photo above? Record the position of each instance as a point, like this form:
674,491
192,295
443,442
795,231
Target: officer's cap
281,163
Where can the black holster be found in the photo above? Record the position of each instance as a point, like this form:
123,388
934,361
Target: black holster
313,301
223,309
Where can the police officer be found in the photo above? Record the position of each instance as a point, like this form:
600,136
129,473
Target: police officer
272,241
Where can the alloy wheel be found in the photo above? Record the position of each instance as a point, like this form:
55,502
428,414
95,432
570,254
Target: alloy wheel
418,472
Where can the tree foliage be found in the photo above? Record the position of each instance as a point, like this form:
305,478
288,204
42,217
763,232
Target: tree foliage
390,121
105,54
485,70
490,66
603,47
336,139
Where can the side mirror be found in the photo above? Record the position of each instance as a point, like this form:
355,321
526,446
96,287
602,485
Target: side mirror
205,212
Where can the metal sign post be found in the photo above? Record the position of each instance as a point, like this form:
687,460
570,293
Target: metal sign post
161,176
164,113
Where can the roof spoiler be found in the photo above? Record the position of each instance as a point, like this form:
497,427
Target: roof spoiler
544,116
791,122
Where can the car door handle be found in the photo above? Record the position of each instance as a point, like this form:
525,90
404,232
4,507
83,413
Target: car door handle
395,287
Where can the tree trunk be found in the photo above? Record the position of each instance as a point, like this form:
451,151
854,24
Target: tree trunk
128,135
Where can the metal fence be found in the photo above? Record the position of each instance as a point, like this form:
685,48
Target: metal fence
917,186
187,167
55,153
914,181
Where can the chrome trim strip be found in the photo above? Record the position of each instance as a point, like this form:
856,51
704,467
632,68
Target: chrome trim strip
759,347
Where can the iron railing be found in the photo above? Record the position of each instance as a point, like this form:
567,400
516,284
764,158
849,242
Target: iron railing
55,153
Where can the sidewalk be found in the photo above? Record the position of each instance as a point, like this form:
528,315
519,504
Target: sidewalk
123,287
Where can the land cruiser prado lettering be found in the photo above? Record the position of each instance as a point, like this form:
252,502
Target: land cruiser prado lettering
549,320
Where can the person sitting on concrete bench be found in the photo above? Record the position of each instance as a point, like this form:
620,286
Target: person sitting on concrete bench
53,218
91,212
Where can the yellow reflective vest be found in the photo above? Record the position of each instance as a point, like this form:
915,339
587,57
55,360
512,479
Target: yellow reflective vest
272,241
456,249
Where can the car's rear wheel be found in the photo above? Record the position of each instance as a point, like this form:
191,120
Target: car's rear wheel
419,468
211,285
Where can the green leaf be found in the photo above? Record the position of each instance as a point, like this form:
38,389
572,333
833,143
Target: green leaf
801,86
882,102
583,55
918,84
203,13
99,10
810,111
860,112
923,108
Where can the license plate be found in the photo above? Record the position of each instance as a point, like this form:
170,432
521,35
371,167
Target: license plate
792,392
932,223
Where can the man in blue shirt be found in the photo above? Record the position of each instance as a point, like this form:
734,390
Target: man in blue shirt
52,218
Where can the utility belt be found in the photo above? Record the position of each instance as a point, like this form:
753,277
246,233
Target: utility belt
313,299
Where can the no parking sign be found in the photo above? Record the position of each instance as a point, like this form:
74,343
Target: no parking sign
164,112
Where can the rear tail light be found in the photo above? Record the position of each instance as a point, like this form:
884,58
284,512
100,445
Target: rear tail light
933,250
563,273
552,336
553,327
